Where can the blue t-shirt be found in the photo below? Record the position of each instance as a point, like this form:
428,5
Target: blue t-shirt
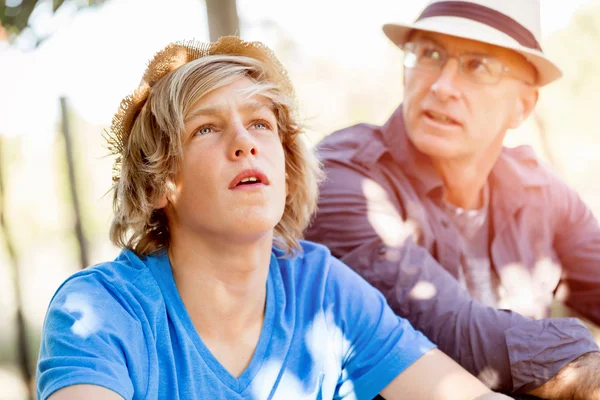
326,334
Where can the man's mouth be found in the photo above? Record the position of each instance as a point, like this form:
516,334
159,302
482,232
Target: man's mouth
441,118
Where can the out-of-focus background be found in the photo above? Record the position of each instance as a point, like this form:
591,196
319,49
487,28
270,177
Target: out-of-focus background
65,65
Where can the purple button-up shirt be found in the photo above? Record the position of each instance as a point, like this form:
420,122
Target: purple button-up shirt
379,213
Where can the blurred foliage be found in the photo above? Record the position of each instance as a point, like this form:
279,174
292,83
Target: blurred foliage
568,107
15,14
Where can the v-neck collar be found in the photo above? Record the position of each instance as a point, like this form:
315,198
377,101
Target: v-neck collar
161,268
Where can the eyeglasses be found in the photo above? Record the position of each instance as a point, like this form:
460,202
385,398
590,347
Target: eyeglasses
427,55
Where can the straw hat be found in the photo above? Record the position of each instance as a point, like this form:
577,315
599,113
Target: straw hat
512,24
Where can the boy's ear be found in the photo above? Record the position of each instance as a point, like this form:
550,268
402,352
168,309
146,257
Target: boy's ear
161,202
168,191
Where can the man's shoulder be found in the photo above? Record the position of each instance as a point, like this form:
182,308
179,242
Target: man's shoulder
524,154
531,170
348,142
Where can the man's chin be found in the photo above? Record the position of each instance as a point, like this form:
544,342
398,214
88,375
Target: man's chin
435,146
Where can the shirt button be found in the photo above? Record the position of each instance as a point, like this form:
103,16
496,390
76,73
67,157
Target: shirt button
382,250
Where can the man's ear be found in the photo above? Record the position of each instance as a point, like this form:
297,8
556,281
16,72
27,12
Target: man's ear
524,106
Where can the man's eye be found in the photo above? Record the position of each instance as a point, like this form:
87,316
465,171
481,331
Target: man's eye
476,65
431,53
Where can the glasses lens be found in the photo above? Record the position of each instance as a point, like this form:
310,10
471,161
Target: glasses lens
423,55
480,68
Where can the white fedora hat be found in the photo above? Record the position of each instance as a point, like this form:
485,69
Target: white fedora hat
513,24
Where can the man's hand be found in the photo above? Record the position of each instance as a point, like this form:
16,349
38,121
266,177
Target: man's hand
578,380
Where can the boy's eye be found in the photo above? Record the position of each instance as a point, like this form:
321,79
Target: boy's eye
261,125
203,130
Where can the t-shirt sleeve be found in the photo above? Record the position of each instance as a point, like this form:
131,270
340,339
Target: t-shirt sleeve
379,345
87,339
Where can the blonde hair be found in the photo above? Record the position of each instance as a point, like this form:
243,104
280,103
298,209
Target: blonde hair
150,152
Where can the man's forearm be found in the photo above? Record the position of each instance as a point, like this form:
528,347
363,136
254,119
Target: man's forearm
578,380
506,351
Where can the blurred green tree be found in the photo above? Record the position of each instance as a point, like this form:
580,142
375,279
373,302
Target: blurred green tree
15,15
568,108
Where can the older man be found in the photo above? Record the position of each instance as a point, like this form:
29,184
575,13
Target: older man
436,184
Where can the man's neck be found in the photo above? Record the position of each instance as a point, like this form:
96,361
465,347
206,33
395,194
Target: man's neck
464,180
465,177
221,281
462,188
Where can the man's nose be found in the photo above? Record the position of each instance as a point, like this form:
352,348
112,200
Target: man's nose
445,86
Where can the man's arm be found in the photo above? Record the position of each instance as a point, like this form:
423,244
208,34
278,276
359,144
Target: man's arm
505,350
579,380
577,244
